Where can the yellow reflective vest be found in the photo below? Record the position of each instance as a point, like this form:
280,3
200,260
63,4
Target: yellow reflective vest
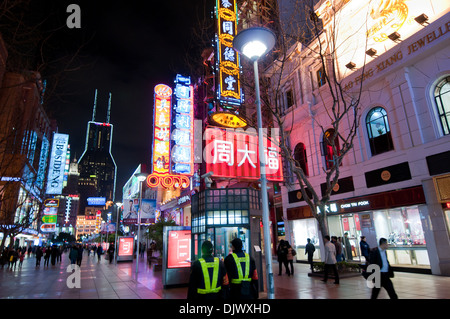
238,261
210,286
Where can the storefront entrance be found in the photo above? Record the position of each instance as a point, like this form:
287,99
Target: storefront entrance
348,229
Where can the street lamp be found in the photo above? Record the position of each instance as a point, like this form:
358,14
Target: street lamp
119,205
254,43
141,178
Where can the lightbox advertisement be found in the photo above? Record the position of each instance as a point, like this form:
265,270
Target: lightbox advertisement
179,249
126,246
57,164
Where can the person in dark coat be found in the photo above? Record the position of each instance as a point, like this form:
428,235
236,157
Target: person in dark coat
310,249
282,257
54,255
39,254
242,285
365,248
73,255
80,255
47,255
111,252
218,289
378,256
99,252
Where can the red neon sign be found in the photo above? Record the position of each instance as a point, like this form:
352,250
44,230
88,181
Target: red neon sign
234,154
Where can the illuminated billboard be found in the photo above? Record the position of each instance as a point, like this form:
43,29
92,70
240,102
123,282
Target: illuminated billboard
161,133
234,154
57,164
96,201
183,127
229,91
179,249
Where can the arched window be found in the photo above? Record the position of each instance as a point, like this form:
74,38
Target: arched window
300,157
442,98
327,148
380,138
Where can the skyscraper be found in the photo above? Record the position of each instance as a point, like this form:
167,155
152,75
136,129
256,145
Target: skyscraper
97,167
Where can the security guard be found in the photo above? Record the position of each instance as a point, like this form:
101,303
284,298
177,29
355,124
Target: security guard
242,272
208,279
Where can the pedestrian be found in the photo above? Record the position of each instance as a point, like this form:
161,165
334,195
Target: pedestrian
241,271
73,255
21,258
39,254
99,252
330,260
338,247
47,255
80,255
89,250
4,257
54,254
365,249
282,257
111,252
310,249
348,247
339,239
94,250
13,259
208,279
29,251
142,248
290,257
59,257
378,257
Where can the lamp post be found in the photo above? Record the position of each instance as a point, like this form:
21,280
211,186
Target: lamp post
119,205
141,178
254,43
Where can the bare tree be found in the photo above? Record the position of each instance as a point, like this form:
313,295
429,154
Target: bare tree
335,111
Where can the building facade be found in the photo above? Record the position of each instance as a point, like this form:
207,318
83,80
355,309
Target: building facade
393,182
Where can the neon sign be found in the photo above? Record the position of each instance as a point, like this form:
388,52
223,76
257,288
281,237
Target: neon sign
161,142
227,57
182,127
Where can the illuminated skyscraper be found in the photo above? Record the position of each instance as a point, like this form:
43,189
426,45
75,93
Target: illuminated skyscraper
97,167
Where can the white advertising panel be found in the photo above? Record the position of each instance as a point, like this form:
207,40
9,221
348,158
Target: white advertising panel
57,164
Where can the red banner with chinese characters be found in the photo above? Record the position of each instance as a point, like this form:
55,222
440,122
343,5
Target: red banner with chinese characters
234,154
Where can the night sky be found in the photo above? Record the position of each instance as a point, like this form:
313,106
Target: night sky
128,48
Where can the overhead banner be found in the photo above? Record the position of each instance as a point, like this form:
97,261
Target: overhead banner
234,154
57,164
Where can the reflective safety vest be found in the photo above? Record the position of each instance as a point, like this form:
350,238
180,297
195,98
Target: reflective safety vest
238,261
210,286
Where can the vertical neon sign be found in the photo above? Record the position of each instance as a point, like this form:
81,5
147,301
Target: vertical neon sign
182,127
161,133
228,58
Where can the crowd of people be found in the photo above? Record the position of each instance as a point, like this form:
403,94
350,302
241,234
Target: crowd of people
13,258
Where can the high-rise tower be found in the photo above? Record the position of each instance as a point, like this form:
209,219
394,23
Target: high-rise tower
97,167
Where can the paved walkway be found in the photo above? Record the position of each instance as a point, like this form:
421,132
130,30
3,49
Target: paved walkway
101,280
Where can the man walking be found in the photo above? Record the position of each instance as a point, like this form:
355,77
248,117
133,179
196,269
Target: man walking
378,256
330,260
310,249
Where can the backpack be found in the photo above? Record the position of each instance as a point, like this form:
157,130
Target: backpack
293,252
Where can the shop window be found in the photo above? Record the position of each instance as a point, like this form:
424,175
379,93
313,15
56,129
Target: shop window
327,149
379,133
442,98
301,158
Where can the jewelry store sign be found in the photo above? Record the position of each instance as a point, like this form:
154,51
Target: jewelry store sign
342,207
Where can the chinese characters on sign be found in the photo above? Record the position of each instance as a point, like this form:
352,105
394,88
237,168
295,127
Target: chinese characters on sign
228,58
234,154
162,112
182,127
